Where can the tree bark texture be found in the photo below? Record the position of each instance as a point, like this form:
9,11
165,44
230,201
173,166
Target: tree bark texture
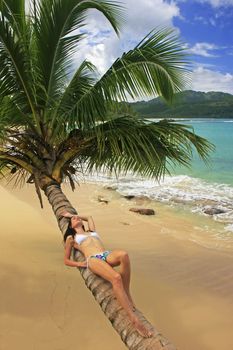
102,290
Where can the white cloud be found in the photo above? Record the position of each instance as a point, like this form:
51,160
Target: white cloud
218,3
141,18
202,49
201,19
204,79
102,46
207,20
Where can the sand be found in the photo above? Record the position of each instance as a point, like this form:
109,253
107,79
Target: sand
183,288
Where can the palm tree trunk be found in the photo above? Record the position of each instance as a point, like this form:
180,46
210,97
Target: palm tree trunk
102,289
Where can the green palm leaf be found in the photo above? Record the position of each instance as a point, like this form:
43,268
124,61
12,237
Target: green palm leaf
14,11
81,83
126,143
15,73
57,21
156,66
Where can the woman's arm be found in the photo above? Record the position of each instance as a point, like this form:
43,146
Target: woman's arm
66,214
90,222
89,219
67,260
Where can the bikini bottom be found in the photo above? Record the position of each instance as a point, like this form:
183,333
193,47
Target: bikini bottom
101,256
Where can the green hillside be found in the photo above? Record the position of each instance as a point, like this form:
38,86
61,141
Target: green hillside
188,104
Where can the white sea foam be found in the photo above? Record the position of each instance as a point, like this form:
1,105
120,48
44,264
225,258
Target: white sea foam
229,228
195,194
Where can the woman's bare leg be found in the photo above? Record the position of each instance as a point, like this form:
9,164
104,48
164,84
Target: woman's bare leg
104,270
125,272
121,258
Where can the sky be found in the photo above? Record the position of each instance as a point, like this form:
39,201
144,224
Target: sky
205,26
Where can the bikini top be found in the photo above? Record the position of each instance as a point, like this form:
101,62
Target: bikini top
80,237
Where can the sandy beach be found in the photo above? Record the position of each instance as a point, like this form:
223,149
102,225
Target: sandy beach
183,288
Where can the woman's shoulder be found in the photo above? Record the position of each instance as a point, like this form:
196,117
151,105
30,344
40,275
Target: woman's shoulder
70,240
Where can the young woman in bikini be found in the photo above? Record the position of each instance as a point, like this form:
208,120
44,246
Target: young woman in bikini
101,262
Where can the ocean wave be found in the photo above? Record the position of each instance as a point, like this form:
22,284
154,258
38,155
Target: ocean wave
229,228
193,193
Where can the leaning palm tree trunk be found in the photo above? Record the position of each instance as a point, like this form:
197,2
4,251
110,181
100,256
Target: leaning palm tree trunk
102,289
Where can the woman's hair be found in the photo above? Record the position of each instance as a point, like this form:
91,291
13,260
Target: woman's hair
70,231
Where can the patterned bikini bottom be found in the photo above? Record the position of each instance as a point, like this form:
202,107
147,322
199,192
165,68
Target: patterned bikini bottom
102,255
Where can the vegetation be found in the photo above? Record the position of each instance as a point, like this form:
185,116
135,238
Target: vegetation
56,122
188,104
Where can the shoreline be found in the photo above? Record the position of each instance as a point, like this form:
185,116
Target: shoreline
184,289
209,231
185,192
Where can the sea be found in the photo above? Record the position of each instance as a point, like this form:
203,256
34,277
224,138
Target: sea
197,188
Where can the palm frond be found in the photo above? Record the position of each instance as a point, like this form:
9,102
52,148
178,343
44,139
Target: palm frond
156,66
143,148
18,160
14,11
81,83
11,116
13,174
15,75
56,25
128,144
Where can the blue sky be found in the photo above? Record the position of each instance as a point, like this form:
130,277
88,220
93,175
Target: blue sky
206,26
212,28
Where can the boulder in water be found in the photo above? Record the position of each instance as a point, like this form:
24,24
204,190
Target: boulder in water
213,211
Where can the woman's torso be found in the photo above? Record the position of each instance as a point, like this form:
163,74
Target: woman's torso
88,243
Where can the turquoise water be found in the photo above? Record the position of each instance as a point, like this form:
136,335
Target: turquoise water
220,169
197,188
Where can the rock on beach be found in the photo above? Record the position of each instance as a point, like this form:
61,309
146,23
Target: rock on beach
213,211
143,211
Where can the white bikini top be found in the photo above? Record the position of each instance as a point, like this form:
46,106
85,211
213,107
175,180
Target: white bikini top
80,237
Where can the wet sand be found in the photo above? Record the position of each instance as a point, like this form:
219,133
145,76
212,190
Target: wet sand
185,289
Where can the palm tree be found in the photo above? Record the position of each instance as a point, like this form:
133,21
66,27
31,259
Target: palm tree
55,124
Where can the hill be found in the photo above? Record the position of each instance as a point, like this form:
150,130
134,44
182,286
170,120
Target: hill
188,104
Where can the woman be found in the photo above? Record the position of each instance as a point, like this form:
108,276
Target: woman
101,262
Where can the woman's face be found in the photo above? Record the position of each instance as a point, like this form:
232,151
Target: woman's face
76,221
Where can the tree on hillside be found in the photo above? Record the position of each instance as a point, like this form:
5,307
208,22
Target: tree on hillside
54,124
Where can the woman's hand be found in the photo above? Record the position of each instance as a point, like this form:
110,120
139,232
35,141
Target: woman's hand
82,263
84,218
90,222
66,214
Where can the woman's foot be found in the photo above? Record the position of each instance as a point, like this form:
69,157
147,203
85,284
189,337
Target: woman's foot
141,329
